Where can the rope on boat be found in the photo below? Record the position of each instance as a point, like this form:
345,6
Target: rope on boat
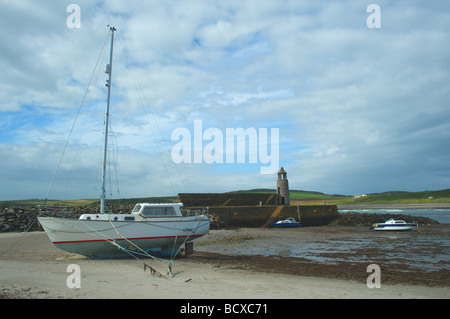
172,257
187,237
145,253
30,224
124,249
142,252
75,120
139,250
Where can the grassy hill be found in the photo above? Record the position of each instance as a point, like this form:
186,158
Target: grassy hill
132,201
400,197
391,197
83,202
299,194
35,202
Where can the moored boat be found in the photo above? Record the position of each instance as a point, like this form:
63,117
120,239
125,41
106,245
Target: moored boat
393,225
288,222
155,229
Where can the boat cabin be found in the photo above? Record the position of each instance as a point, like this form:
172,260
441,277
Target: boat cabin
140,211
157,210
393,221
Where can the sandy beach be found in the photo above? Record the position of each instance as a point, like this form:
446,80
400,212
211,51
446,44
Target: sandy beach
31,267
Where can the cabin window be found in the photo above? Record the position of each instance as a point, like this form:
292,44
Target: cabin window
128,218
136,208
158,211
169,211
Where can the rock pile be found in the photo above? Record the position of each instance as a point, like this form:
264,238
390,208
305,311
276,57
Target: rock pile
367,220
19,219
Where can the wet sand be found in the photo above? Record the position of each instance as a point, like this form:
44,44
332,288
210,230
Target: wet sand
409,258
31,267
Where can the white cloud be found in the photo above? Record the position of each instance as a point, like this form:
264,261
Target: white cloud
358,109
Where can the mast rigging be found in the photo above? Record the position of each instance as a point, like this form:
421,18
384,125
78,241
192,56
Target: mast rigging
108,70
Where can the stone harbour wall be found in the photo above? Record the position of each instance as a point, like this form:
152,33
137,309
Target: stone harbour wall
266,216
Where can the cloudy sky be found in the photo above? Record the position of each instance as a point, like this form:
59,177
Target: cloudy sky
357,109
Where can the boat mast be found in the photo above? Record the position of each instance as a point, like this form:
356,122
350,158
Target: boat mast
108,70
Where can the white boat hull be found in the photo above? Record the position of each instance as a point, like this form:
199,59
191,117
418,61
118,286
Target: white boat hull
104,238
391,227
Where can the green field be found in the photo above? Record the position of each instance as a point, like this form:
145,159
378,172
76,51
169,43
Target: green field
393,197
399,197
300,194
35,202
83,202
303,195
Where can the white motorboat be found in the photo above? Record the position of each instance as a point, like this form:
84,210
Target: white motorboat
156,229
394,225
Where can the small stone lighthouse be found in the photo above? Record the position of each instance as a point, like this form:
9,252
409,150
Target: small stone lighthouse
283,188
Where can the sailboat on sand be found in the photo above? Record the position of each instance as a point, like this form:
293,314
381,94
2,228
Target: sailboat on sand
156,229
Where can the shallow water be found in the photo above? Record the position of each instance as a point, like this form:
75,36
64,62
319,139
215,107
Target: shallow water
427,250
